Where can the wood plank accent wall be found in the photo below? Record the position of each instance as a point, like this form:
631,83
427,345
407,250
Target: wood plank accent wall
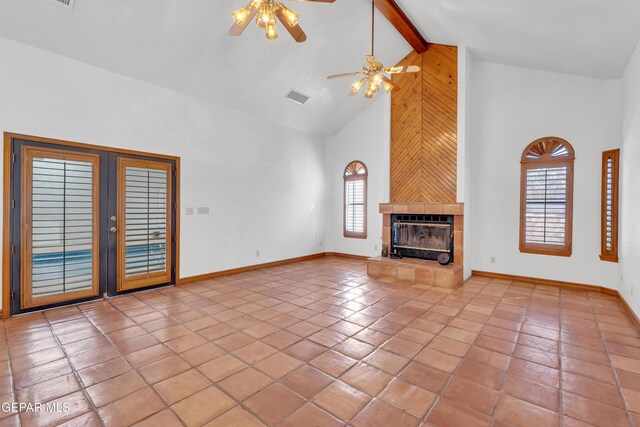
424,128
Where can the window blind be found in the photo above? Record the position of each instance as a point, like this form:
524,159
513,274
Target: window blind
355,205
146,221
62,226
546,205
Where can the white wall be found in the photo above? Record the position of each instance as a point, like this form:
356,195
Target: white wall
263,182
367,139
630,184
511,108
465,151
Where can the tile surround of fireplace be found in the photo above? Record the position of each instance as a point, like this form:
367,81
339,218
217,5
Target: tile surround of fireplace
415,270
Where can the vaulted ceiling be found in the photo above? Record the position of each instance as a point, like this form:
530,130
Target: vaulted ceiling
183,45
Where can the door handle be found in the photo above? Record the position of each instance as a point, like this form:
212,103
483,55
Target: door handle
113,229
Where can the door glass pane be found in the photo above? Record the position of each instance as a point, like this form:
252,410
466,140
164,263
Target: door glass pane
62,226
146,221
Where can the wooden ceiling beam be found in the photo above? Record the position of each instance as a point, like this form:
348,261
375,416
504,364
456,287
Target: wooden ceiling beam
403,24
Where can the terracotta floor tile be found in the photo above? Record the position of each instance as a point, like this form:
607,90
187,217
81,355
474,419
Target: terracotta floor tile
519,413
481,374
535,373
333,363
538,394
592,389
592,412
342,400
148,355
278,365
449,346
115,388
76,403
222,367
402,347
204,353
408,397
164,418
245,383
309,415
237,417
305,350
163,369
482,399
380,414
321,343
274,403
281,339
306,381
103,371
49,390
439,360
424,376
447,413
366,378
354,349
204,406
181,386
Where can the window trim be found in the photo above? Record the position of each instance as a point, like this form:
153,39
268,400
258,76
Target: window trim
347,178
612,254
546,160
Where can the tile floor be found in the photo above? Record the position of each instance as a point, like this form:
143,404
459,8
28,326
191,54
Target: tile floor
319,343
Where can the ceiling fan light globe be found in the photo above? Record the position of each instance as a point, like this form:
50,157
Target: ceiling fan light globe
271,31
292,17
240,16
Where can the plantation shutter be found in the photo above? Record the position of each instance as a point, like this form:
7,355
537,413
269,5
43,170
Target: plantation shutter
546,205
354,209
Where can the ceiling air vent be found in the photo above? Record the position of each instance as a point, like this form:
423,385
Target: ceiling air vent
297,97
65,3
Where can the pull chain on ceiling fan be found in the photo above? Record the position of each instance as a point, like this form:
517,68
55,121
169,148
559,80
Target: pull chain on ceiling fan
265,12
374,71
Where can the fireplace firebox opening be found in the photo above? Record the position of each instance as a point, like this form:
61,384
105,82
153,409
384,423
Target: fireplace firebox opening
428,237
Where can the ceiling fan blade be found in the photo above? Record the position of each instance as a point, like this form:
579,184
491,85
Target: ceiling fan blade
236,29
295,30
398,70
355,88
388,84
337,76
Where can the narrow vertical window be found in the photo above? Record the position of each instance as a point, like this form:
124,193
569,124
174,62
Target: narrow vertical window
355,200
609,222
546,200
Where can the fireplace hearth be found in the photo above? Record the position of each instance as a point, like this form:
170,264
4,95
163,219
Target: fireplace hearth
428,237
420,233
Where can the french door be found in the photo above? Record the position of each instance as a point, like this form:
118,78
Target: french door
87,222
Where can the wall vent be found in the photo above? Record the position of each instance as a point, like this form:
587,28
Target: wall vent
65,3
297,97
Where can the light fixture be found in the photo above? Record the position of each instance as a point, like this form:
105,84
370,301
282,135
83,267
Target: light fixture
374,72
267,11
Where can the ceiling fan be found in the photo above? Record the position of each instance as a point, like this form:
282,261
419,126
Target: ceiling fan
374,71
266,12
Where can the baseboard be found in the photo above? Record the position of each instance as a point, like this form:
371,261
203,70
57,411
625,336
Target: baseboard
547,282
343,255
207,276
562,284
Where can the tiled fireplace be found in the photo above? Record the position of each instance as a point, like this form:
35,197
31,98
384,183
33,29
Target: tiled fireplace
413,267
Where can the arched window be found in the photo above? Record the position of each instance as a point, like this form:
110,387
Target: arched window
355,200
546,197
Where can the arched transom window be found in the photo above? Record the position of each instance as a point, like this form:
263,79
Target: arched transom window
546,197
355,200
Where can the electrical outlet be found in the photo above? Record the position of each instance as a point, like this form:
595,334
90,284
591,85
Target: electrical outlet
189,211
203,210
257,253
375,247
493,260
